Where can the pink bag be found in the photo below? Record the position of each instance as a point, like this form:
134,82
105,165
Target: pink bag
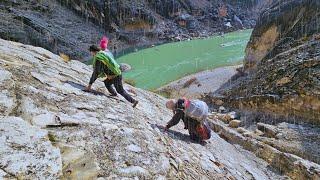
104,43
204,132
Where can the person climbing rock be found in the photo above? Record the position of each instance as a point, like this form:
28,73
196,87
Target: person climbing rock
104,47
106,67
193,114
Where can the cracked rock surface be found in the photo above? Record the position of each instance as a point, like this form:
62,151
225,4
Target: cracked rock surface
26,151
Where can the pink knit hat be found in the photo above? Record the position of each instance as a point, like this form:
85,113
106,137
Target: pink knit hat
104,43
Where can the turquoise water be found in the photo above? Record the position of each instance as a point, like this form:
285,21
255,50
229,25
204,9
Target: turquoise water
157,66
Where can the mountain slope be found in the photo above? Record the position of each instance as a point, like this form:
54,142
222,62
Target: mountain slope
69,26
49,128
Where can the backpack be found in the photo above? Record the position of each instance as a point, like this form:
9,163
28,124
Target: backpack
123,66
108,60
196,109
203,131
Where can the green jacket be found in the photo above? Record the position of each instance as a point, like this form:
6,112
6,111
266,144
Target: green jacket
108,60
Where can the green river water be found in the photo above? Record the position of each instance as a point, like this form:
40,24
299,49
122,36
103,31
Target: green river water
159,65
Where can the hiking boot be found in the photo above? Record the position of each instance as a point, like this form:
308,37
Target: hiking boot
135,104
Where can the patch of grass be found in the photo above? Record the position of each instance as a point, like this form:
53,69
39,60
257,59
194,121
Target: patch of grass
52,138
65,57
132,82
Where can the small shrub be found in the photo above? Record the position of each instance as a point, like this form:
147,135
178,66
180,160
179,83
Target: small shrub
189,82
52,138
65,57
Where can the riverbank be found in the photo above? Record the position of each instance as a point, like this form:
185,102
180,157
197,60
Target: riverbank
155,67
196,85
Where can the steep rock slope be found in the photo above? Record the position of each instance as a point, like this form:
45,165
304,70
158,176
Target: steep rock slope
49,128
283,64
69,26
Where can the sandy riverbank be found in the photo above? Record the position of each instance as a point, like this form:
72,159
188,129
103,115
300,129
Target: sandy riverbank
195,85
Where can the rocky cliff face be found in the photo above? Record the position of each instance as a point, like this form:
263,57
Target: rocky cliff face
71,26
283,64
51,129
49,25
282,26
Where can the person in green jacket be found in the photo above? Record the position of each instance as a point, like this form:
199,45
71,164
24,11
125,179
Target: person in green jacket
104,66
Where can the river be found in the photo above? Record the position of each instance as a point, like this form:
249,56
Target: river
159,65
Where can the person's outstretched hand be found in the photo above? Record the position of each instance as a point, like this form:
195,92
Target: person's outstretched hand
164,128
88,88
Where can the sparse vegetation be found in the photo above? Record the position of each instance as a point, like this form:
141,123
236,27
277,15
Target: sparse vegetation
65,57
189,82
52,138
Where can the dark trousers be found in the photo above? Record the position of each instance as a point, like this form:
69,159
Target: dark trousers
191,125
117,82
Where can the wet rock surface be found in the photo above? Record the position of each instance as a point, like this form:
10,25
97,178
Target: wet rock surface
62,132
69,26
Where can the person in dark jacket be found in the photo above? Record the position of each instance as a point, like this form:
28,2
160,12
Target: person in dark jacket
106,67
178,107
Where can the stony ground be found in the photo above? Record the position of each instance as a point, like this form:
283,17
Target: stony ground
51,129
292,149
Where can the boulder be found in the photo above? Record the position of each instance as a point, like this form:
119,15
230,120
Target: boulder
222,109
226,118
222,117
238,21
241,130
268,130
234,123
218,102
258,132
233,115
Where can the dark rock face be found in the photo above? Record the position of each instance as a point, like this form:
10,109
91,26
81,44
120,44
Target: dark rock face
280,27
70,26
49,25
283,64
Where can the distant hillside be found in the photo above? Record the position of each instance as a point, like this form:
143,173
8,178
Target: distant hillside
69,26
